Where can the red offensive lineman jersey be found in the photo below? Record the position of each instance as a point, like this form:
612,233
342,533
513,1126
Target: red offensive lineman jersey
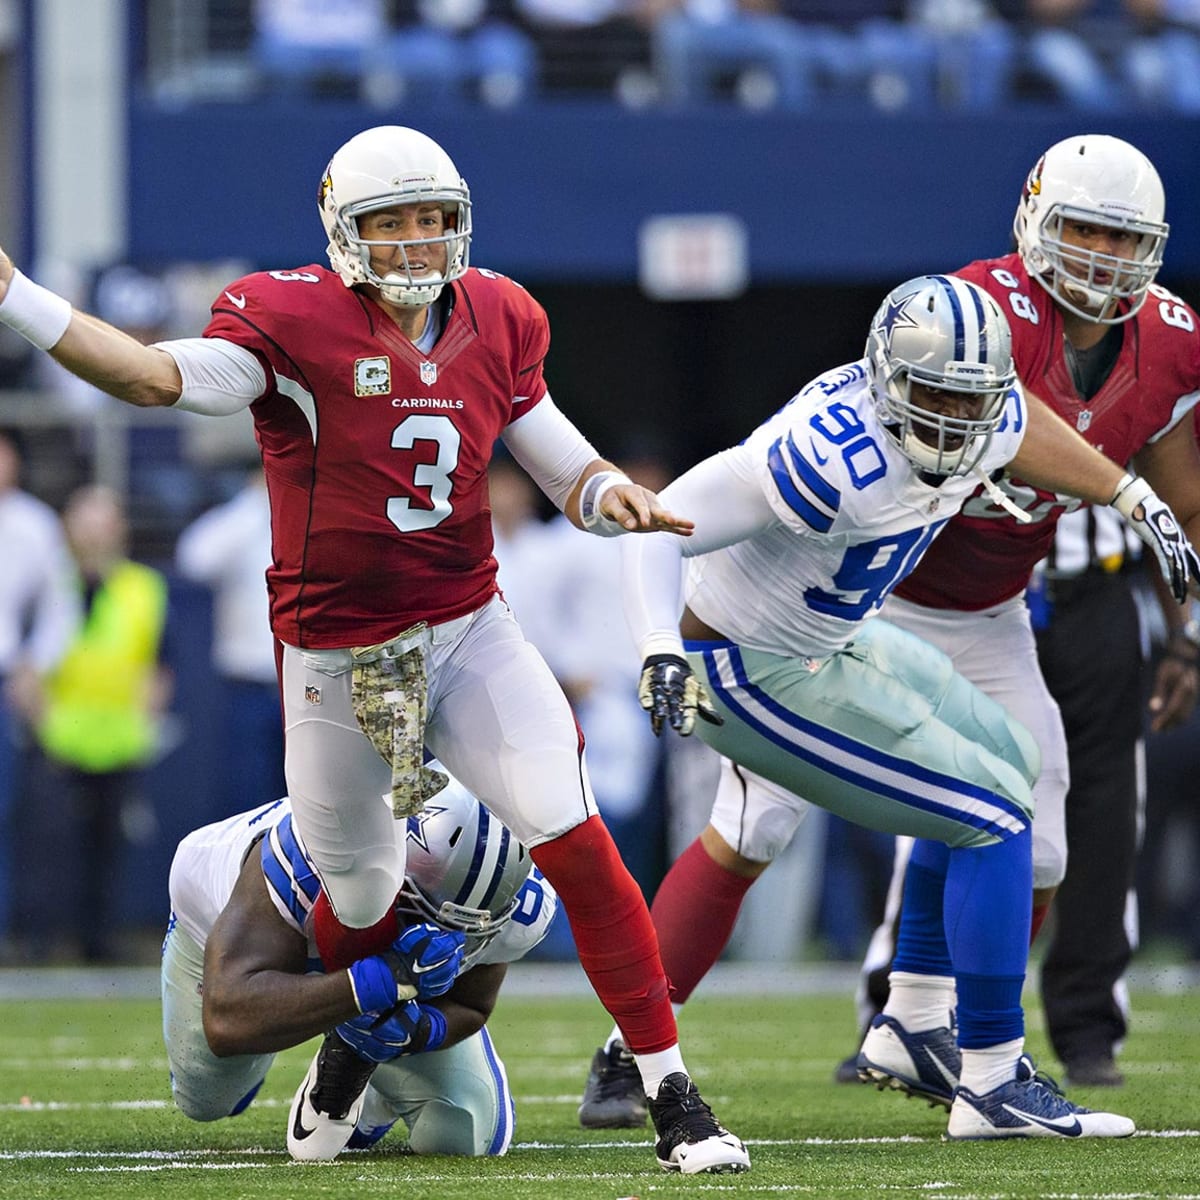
375,454
984,556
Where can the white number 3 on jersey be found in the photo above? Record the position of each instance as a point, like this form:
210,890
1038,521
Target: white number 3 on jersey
434,476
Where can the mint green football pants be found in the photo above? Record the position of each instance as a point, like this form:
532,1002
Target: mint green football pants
884,733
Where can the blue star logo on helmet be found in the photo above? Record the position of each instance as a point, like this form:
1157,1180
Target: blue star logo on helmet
416,825
896,314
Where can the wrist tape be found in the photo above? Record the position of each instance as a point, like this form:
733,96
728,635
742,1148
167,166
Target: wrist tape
594,521
36,313
1131,491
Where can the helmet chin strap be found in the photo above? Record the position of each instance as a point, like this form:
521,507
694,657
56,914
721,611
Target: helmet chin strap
396,289
1000,498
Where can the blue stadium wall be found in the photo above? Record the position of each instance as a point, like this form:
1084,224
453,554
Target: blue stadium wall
560,191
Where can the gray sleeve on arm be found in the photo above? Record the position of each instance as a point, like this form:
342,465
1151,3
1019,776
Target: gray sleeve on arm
219,377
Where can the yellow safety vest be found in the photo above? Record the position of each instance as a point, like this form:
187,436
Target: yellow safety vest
97,716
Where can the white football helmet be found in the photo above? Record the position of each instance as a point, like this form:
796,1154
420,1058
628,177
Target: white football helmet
464,869
380,168
947,334
1104,181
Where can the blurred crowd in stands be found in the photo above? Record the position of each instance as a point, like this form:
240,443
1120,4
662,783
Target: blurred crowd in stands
890,55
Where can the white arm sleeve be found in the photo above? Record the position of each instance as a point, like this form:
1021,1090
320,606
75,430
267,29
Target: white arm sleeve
550,449
652,590
723,498
219,377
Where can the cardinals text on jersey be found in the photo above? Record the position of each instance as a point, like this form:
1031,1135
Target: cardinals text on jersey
376,453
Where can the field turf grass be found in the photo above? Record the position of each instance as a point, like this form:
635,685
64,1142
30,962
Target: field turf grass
85,1111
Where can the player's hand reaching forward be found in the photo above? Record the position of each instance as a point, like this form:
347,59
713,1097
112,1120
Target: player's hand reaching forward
1175,687
610,503
639,510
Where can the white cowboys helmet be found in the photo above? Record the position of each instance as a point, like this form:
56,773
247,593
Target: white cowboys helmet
1103,181
381,168
465,867
947,334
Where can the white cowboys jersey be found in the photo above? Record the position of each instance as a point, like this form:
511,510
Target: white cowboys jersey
209,859
853,517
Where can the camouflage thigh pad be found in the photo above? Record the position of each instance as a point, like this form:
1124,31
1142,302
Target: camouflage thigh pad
388,693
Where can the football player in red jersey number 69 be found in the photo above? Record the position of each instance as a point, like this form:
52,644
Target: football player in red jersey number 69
378,389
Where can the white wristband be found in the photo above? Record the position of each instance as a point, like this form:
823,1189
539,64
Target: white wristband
594,521
36,313
1131,491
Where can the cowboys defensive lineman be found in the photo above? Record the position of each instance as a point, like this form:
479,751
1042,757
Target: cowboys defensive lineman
802,531
241,980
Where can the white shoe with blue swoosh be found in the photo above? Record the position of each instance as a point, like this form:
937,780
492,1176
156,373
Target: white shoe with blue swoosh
1031,1105
925,1064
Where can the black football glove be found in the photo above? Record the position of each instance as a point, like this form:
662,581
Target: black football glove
673,696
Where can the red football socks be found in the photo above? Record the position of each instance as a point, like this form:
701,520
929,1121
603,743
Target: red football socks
340,945
694,912
613,933
1040,913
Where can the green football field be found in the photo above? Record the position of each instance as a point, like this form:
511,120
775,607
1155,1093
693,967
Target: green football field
85,1111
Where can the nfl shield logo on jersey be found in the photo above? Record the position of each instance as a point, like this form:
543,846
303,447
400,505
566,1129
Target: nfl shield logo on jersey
312,694
428,373
372,376
1083,420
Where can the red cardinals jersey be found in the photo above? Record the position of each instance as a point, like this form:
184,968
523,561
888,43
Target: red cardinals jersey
376,454
984,556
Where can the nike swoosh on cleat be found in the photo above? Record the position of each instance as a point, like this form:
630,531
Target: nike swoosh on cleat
1067,1126
945,1072
298,1130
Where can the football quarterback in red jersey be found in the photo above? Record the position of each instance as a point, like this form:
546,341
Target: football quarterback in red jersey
378,389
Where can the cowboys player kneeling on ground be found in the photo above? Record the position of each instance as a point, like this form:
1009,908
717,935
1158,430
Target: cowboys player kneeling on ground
405,1034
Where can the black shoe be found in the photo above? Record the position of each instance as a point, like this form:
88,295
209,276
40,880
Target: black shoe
613,1097
1094,1070
690,1139
328,1103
